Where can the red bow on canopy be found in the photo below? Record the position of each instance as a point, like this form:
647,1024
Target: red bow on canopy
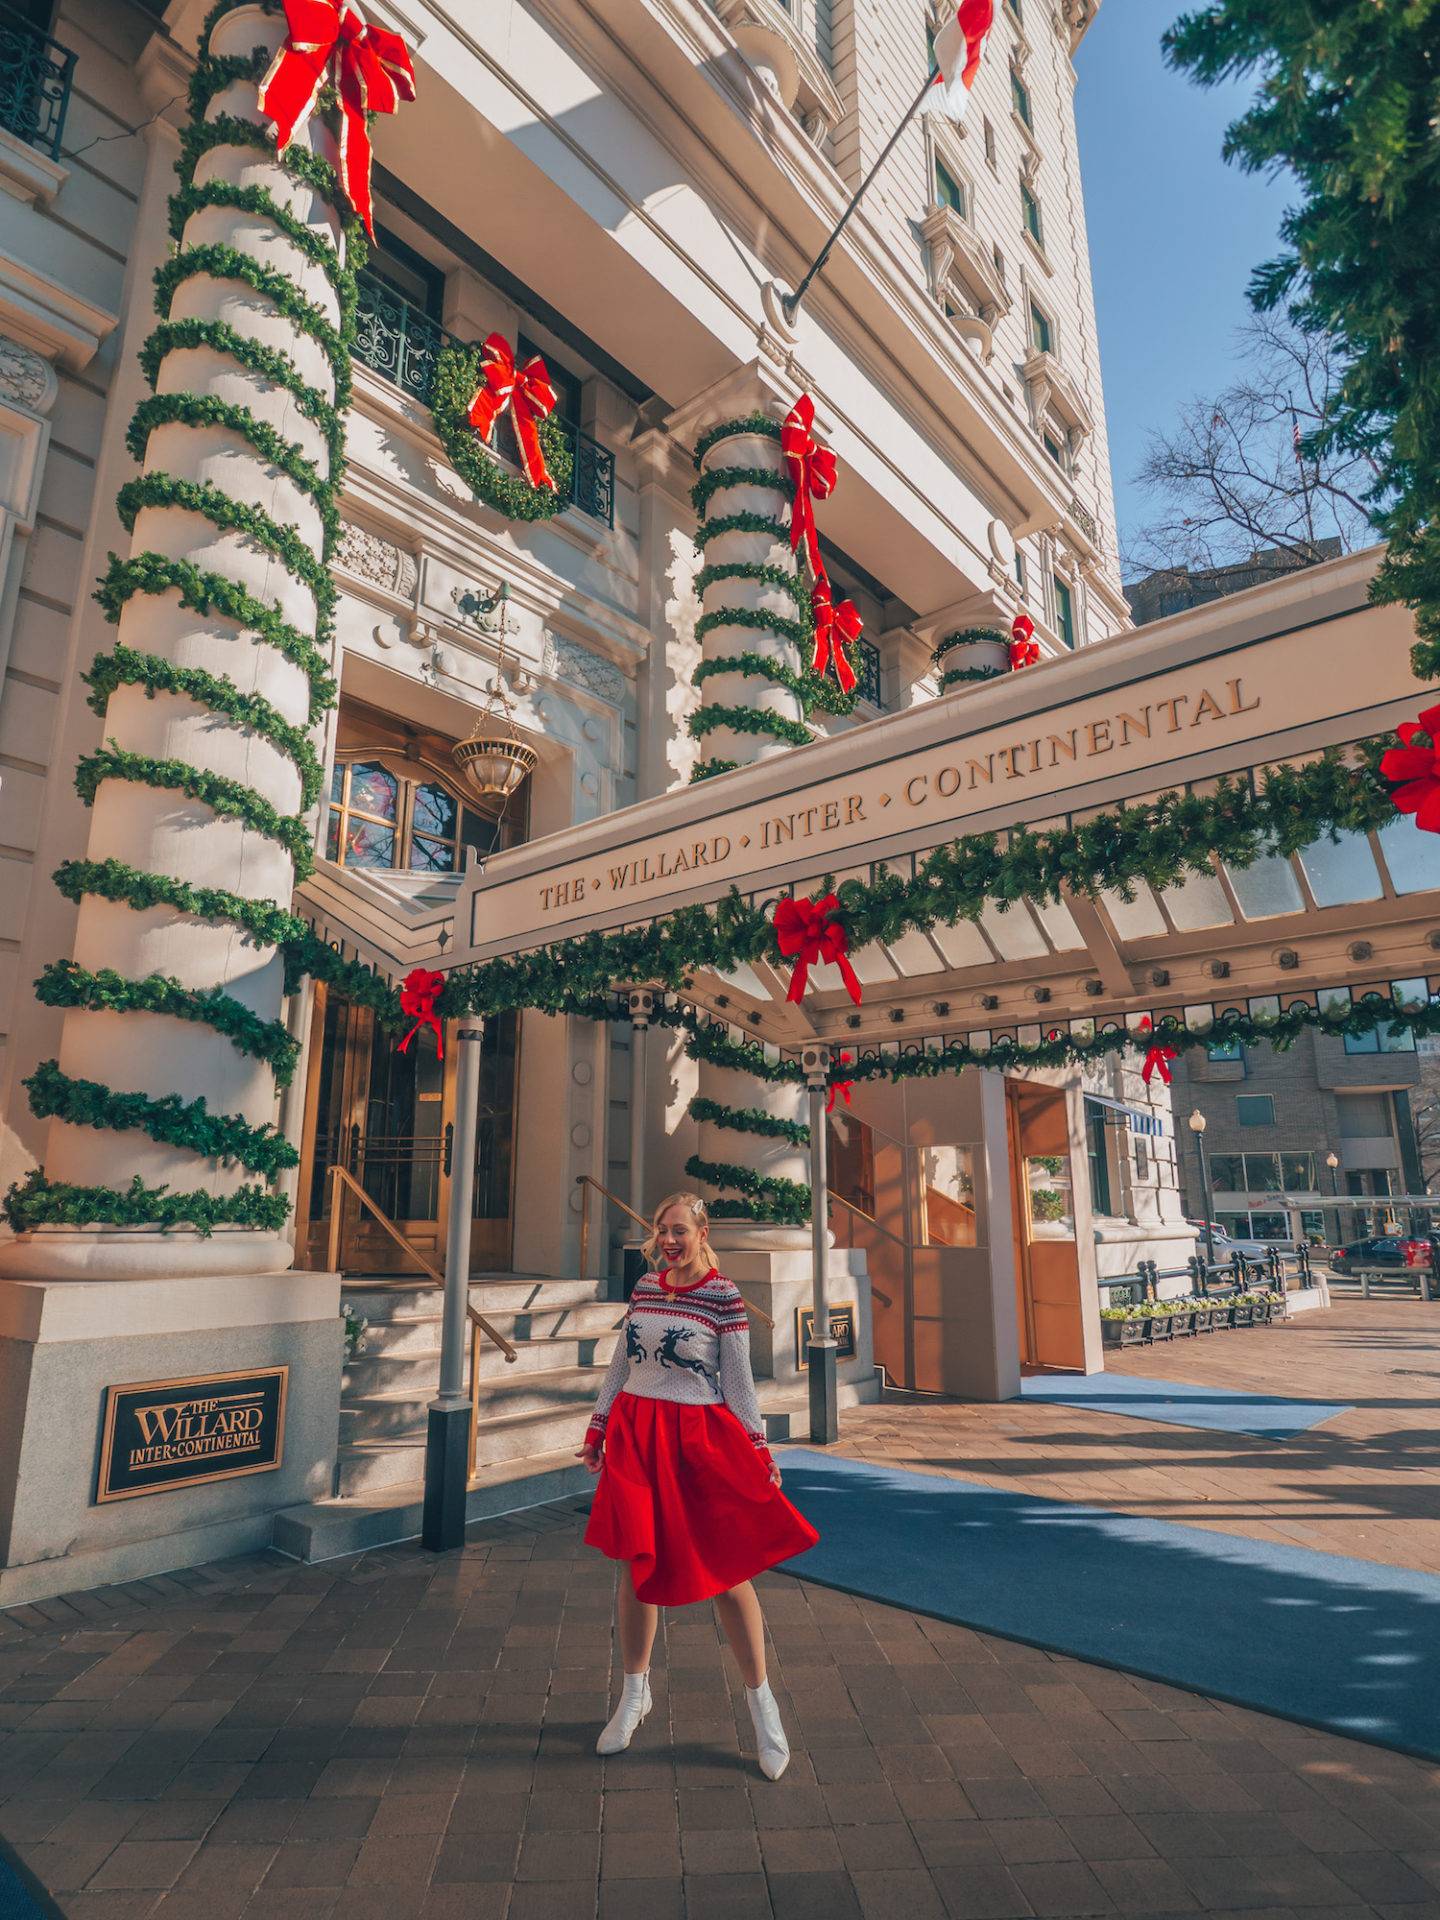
837,624
1024,647
842,1087
1417,769
527,392
1157,1059
419,991
812,474
810,933
370,66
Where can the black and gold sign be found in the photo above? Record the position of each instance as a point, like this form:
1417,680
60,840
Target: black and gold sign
842,1331
180,1433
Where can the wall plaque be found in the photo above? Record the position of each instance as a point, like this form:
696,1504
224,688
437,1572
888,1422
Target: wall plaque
161,1434
842,1331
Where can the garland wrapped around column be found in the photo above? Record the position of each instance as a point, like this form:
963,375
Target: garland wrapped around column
212,697
975,653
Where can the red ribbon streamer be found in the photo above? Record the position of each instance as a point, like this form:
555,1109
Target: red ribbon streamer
528,394
1417,769
419,991
842,1087
1024,647
837,624
372,73
810,933
1157,1059
812,474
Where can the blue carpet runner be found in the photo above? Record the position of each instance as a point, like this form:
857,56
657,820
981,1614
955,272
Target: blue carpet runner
1341,1644
16,1901
1177,1403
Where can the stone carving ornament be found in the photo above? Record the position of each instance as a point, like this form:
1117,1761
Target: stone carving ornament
568,660
369,557
25,378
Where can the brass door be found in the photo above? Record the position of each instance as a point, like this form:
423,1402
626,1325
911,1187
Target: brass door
1047,1255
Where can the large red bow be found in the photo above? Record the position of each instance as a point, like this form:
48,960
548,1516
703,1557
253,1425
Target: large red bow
810,933
841,1087
370,66
812,474
1417,769
527,392
837,625
1024,647
1157,1059
419,991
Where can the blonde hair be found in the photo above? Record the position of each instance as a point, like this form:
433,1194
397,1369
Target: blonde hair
693,1205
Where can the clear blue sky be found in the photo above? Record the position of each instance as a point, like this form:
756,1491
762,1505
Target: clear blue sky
1174,231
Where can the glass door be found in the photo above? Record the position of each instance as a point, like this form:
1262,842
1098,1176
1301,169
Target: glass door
1047,1255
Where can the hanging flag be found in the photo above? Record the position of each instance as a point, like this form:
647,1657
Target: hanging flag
958,47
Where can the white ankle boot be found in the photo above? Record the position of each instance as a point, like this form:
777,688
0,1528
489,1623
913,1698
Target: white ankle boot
633,1707
773,1748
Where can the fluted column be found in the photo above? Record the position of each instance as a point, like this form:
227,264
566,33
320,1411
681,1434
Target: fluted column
165,1087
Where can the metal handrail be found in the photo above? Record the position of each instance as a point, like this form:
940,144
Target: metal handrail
336,1221
35,79
587,1181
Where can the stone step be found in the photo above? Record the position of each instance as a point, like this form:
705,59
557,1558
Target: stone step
384,1415
489,1293
420,1333
416,1369
385,1515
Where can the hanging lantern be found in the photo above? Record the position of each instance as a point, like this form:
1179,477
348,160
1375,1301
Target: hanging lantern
495,763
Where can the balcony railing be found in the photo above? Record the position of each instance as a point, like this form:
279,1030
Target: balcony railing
395,339
35,75
867,667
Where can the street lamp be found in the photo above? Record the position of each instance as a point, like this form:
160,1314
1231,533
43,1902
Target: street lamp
1197,1127
1332,1161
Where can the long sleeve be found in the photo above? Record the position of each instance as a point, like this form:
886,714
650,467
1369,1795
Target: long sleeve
737,1381
609,1387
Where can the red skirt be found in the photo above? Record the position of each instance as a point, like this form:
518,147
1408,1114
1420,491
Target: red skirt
687,1500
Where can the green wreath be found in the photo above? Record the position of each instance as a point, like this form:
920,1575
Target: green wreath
457,375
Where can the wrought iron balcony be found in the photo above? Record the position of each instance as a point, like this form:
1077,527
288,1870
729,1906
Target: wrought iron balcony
395,339
867,667
35,75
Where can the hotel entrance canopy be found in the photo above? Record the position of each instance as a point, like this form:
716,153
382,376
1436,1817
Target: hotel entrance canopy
1231,691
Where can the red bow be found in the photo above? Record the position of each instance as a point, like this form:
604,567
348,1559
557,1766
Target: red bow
812,473
1024,647
527,392
810,933
1417,769
419,991
837,624
842,1087
372,73
1158,1057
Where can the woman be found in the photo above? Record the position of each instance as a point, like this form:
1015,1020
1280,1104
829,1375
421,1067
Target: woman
688,1495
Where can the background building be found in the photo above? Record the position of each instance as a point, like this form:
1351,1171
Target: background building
1171,590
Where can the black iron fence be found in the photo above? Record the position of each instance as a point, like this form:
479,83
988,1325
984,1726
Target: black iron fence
35,76
1280,1269
401,343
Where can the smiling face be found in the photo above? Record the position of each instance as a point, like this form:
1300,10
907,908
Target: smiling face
679,1237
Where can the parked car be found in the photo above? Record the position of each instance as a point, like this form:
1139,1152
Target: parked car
1382,1250
1225,1245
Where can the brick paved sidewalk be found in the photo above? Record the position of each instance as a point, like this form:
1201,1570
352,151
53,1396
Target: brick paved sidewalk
400,1737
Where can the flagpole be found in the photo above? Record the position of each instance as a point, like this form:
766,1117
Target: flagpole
790,302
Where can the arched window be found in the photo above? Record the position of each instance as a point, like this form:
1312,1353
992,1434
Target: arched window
391,813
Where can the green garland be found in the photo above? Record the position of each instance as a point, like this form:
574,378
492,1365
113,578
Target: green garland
307,954
750,423
207,593
457,375
156,489
766,1196
193,197
761,570
229,798
754,720
707,769
176,336
125,666
750,1120
967,637
215,261
958,676
64,984
796,631
111,879
718,478
814,689
208,410
171,1121
38,1202
709,530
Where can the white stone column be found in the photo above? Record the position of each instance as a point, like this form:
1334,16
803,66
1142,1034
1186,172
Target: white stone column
156,828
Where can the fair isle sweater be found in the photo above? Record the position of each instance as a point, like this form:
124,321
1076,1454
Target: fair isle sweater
690,1344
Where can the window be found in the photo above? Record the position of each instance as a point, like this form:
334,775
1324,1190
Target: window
1227,1172
1020,97
990,143
1388,1036
998,257
1297,1173
948,190
1040,332
1097,1149
932,64
1053,448
381,818
1255,1109
1030,213
567,385
407,273
1020,573
1064,613
1223,1051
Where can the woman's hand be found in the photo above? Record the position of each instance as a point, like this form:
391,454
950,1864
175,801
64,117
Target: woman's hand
591,1456
774,1474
